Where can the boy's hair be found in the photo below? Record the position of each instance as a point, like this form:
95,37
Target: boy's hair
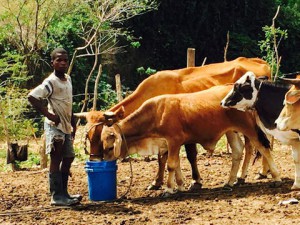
57,50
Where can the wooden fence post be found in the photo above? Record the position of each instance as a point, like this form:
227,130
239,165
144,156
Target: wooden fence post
190,62
42,151
118,87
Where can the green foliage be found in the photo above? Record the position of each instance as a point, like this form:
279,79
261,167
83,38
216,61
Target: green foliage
166,34
149,71
33,160
135,44
13,98
66,31
107,95
242,45
79,153
15,107
270,44
13,69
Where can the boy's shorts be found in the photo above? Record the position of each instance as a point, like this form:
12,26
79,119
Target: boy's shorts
53,134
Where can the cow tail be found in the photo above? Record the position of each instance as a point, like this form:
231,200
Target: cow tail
257,156
262,137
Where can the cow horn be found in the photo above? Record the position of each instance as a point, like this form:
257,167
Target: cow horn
290,81
81,115
109,115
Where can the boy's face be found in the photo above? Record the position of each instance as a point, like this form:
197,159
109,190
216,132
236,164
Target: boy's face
60,63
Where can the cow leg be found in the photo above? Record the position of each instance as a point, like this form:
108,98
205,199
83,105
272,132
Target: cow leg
242,174
267,154
237,147
179,177
191,153
232,138
159,179
263,173
296,157
172,165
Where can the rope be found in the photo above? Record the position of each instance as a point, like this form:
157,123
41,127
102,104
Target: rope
27,211
86,136
131,171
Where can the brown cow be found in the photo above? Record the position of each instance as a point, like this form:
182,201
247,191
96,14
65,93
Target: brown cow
290,114
164,123
172,82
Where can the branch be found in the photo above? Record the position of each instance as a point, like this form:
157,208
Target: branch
89,77
275,45
226,47
96,87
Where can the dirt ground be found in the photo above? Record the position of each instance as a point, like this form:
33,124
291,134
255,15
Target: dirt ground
24,198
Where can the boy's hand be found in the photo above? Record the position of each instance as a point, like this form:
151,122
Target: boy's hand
54,118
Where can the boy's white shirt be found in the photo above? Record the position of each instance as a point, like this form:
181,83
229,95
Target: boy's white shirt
59,96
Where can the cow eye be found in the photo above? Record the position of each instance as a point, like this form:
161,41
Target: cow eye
245,87
242,87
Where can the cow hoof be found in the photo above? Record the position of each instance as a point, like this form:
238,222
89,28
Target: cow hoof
166,194
227,187
195,186
260,176
181,189
153,187
295,188
275,184
240,181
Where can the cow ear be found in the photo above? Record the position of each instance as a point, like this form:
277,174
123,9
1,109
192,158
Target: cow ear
263,78
120,113
292,96
248,78
117,145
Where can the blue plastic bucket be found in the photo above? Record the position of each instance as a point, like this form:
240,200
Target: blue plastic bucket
102,180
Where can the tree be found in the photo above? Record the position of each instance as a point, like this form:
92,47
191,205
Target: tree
23,24
203,25
30,29
98,24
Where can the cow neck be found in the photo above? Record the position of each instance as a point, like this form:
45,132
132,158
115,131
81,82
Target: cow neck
269,102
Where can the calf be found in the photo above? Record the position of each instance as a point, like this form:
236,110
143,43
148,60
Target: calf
164,123
289,116
185,80
266,98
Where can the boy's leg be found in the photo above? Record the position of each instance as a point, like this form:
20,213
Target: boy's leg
56,156
68,157
54,142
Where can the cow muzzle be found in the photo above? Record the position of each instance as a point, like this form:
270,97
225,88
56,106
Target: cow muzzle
282,123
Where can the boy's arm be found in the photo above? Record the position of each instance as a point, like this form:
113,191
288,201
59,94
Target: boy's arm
37,104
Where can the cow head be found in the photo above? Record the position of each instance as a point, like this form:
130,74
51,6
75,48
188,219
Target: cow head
289,116
243,94
95,121
111,137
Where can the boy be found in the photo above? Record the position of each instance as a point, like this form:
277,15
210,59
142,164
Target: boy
59,126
